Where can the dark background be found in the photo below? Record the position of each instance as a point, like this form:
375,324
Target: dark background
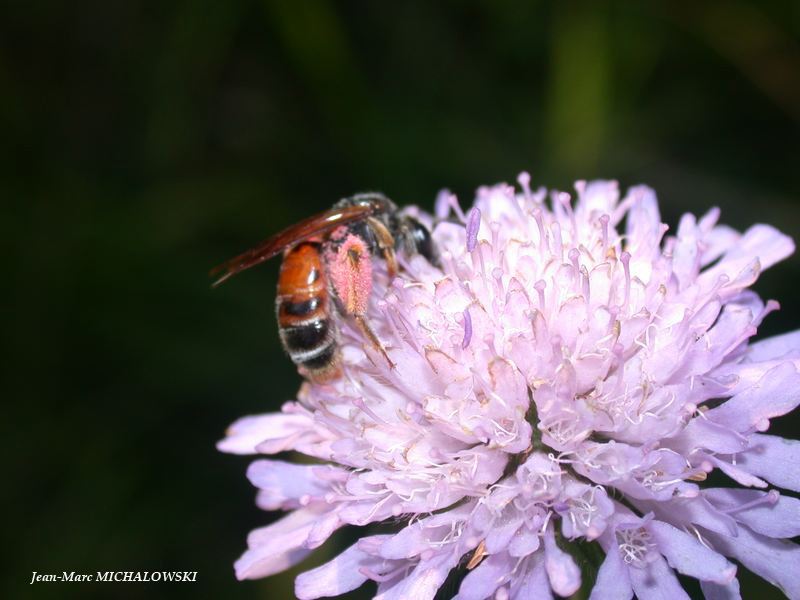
143,142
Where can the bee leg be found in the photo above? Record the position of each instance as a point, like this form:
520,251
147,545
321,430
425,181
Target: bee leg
370,335
386,244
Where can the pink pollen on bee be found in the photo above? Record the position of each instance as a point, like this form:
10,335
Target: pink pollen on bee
350,270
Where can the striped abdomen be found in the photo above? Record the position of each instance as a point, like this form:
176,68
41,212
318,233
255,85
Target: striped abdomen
305,320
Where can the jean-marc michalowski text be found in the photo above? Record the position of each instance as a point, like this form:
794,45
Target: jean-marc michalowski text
118,576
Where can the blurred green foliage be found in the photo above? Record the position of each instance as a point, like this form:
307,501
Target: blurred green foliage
142,142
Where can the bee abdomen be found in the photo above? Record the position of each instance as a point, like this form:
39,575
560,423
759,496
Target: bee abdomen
308,336
326,361
306,318
313,346
301,308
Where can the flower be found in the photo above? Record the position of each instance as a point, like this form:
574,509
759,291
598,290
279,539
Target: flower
561,389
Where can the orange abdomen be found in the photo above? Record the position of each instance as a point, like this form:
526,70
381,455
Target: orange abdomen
302,286
305,323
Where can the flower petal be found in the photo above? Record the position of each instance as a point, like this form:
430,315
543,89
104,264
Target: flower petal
534,582
702,432
762,241
500,535
773,458
692,511
777,393
323,528
564,574
656,581
423,582
774,560
688,556
779,346
644,222
613,580
484,579
340,575
248,432
524,542
261,562
283,484
738,377
777,516
714,591
413,539
278,546
597,197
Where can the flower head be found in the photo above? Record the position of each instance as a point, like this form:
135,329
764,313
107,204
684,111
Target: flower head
560,390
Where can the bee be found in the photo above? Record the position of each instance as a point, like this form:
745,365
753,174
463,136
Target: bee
327,272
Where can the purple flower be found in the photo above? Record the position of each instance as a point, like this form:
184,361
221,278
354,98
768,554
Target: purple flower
562,389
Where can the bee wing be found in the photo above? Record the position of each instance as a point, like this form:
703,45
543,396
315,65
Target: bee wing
307,228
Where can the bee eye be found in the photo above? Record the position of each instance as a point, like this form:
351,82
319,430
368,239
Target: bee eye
422,241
